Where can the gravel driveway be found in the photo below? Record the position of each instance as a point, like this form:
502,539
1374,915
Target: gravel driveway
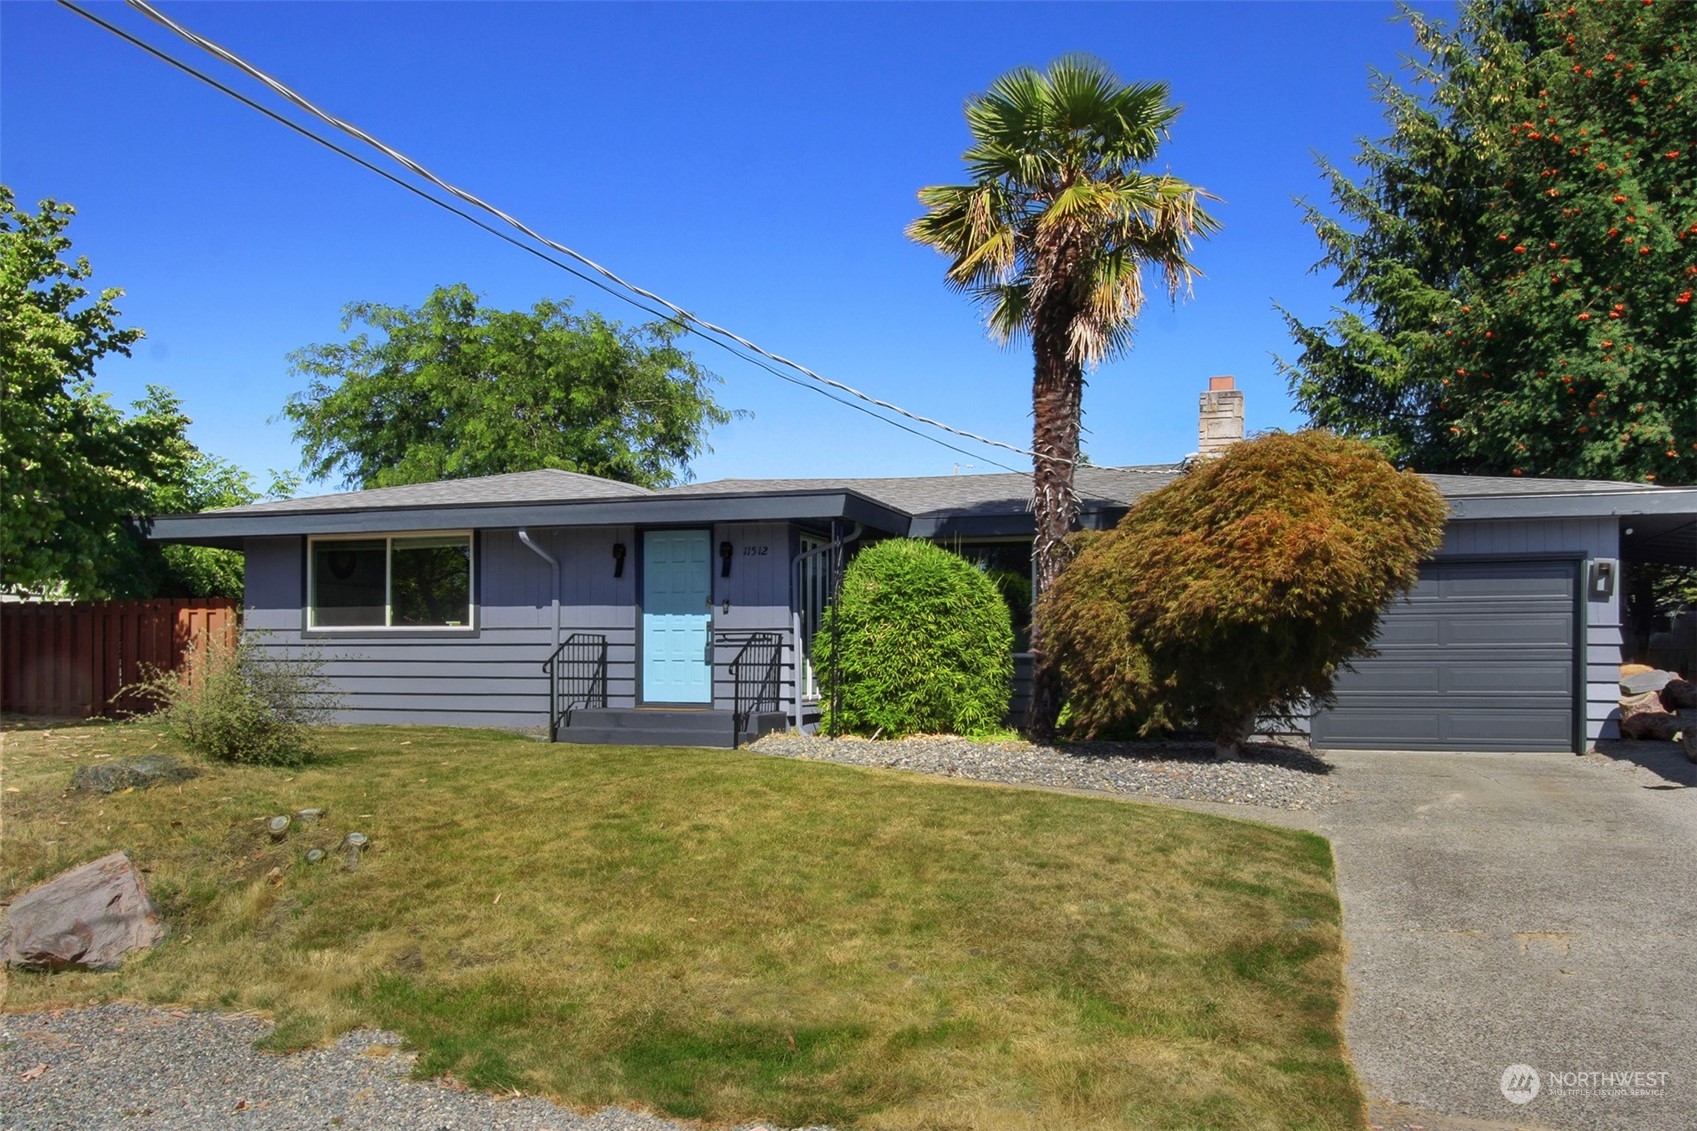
140,1069
1532,909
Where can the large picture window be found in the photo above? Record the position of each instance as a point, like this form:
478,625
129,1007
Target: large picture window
395,581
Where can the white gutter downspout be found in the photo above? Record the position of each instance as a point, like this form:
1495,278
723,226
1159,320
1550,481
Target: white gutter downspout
524,536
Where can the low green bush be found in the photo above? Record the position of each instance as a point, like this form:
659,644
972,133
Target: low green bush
922,641
242,703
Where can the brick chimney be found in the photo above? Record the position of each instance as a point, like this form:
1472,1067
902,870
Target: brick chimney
1221,417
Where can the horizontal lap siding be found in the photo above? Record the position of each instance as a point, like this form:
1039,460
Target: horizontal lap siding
758,590
493,676
490,677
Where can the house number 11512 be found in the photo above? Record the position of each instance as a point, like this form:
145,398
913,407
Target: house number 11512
755,551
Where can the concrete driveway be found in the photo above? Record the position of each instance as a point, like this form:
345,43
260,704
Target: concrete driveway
1531,909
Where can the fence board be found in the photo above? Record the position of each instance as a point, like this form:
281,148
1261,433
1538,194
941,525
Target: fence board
73,658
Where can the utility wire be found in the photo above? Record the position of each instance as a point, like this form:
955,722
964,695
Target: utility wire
498,234
678,312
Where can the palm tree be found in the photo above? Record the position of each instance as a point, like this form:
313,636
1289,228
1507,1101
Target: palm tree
1052,236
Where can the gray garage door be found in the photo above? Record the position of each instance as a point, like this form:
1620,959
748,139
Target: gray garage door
1481,657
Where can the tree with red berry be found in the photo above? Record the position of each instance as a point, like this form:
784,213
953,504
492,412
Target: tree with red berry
1519,255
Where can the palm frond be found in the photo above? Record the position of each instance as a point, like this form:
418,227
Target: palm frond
1055,164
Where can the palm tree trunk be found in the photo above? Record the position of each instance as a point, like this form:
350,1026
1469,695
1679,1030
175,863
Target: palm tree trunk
1056,400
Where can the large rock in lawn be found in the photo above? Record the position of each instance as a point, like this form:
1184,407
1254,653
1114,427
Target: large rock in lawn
1642,717
90,916
1678,694
132,773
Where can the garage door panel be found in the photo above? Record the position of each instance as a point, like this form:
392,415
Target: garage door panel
1555,629
1373,678
1481,658
1553,729
1544,583
1504,676
1403,729
1408,630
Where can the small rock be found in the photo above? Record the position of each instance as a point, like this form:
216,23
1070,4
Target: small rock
141,772
309,816
278,826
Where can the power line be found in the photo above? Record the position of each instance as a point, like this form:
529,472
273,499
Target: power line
677,312
503,236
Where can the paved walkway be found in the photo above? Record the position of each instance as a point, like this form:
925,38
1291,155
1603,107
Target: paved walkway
1520,909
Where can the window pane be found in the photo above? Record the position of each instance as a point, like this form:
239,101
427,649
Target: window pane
432,581
1008,564
347,583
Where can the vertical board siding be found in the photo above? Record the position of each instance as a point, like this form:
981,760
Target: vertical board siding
1593,538
76,659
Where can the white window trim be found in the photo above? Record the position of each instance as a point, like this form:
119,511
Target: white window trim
388,538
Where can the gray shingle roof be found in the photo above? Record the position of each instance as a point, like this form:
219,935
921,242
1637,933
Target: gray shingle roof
939,498
546,486
1472,486
936,494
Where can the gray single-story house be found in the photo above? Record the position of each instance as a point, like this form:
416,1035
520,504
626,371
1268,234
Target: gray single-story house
601,611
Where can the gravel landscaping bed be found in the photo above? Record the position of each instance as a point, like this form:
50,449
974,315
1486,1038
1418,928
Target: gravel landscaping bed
138,1068
1272,776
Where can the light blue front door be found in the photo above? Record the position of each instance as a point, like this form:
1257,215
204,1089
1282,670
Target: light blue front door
677,590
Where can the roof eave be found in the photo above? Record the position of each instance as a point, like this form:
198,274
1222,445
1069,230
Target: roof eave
1592,504
230,530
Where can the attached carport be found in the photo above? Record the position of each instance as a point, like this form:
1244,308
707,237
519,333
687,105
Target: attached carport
1512,640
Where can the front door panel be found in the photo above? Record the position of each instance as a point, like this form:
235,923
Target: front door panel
677,589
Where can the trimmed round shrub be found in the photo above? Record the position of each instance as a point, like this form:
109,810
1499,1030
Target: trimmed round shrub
924,644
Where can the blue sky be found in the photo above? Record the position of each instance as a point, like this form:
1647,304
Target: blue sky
754,163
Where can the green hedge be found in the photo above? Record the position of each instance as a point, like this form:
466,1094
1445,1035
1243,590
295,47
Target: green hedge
924,644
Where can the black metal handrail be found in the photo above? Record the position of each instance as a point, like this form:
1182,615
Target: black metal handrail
577,677
754,673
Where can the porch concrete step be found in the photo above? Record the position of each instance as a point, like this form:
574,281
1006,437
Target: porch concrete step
652,718
632,736
647,726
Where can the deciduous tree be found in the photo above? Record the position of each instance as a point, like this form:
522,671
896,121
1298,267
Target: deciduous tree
452,389
74,469
1238,590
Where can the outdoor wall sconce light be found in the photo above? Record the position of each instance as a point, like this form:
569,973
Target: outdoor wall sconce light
725,559
1601,579
618,559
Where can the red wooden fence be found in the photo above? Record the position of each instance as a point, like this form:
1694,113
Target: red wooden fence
65,659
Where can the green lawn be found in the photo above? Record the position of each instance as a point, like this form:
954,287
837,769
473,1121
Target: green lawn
726,937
